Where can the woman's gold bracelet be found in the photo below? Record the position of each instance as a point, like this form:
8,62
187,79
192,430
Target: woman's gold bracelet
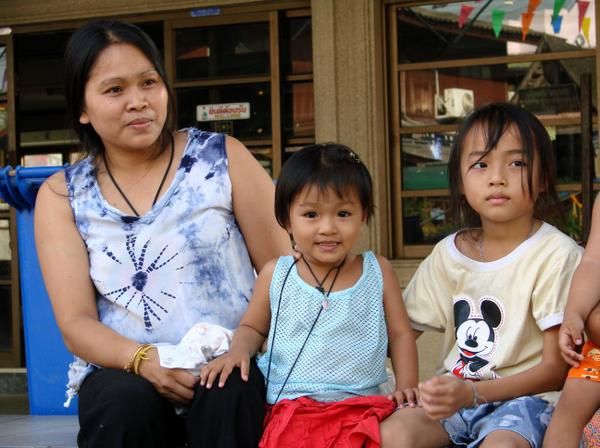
141,354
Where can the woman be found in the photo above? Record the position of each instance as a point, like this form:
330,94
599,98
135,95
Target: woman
153,232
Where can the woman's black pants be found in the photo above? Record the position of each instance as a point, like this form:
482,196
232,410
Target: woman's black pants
119,409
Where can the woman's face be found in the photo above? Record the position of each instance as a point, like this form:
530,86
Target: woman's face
125,99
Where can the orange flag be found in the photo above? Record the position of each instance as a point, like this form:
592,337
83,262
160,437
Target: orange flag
526,19
533,4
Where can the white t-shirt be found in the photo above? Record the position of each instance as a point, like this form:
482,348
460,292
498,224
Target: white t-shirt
493,314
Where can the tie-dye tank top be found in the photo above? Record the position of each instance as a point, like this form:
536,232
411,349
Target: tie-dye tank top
183,262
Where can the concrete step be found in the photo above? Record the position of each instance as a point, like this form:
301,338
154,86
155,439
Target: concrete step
13,391
38,431
20,430
14,404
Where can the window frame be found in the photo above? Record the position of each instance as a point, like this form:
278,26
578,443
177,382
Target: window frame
12,357
274,147
397,130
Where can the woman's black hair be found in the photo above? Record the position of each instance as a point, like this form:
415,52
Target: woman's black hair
82,51
326,165
495,119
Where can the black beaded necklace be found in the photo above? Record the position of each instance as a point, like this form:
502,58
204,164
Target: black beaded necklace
162,182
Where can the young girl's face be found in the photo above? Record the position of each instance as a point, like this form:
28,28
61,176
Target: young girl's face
125,99
325,226
496,185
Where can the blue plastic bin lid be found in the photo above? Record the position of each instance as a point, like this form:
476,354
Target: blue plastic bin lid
19,186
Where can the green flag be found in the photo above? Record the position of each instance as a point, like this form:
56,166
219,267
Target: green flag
558,4
497,18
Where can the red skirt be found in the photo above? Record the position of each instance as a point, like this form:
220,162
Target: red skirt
304,422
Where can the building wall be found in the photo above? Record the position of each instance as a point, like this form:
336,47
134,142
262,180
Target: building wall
349,84
27,12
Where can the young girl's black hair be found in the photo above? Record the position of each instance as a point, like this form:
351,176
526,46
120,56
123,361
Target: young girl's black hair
82,51
324,166
495,119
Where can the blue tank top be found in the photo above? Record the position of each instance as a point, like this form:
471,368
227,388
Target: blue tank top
183,262
346,352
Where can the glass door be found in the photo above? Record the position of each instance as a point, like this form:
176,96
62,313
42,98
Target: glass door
10,310
249,76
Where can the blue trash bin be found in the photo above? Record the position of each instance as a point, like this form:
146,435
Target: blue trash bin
46,356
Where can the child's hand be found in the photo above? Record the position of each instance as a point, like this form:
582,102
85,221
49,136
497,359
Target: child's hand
223,366
406,397
442,396
570,337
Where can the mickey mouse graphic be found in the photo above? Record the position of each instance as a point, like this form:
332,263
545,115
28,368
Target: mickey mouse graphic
475,335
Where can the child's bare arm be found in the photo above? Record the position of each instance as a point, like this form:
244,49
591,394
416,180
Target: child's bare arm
592,325
402,345
584,294
443,396
248,338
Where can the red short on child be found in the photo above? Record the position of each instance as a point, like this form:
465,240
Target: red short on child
304,422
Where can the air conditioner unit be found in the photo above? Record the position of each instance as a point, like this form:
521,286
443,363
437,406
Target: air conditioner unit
455,103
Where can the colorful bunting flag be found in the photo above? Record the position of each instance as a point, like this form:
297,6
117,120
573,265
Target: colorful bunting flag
585,26
465,12
558,4
556,23
533,4
497,18
583,6
526,19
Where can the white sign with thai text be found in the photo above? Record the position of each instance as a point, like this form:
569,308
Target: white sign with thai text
226,111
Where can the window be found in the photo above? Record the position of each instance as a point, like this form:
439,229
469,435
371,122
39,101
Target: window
249,76
446,59
298,97
10,310
3,100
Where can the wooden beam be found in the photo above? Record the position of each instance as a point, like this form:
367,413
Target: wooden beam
19,12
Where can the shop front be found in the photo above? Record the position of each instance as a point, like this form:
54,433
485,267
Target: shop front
390,79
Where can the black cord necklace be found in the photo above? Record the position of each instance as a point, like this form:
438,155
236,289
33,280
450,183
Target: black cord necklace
324,305
321,282
162,182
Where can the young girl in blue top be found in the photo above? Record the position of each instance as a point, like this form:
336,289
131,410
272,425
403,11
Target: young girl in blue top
496,289
329,317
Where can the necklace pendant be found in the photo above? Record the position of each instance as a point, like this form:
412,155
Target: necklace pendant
325,304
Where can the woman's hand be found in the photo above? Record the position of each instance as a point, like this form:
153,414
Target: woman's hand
443,396
408,397
570,339
175,384
223,366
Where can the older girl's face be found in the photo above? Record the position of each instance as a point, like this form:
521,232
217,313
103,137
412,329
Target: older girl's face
125,99
495,185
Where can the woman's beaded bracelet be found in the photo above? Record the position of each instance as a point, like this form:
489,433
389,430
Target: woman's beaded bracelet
141,354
